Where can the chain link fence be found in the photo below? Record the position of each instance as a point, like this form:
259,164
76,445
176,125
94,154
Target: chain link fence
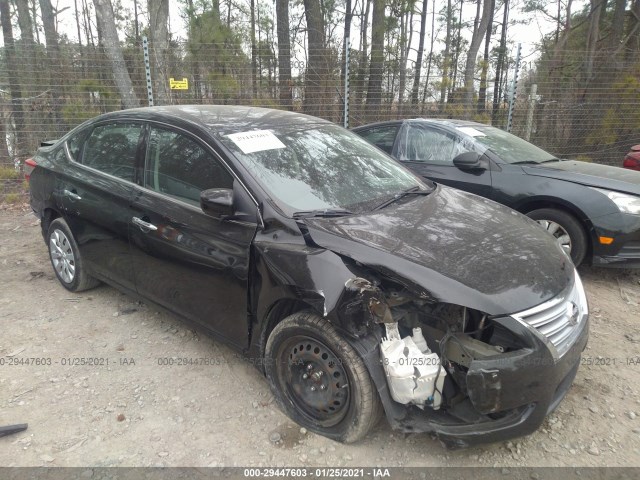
555,106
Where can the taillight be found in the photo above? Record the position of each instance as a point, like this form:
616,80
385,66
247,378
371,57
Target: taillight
632,163
29,165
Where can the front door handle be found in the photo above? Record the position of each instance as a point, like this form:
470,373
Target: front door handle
144,226
72,195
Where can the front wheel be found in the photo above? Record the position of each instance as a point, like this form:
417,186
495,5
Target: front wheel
65,258
566,229
319,380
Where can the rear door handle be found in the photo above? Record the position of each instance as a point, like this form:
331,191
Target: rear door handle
144,226
72,195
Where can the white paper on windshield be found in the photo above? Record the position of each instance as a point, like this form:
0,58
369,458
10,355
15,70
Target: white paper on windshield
256,141
471,131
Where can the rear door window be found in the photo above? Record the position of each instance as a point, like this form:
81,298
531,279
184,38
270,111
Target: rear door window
112,149
382,137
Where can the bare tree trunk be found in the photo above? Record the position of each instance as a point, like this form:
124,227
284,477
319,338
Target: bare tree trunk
135,20
364,48
430,62
24,22
34,16
4,148
313,101
454,63
53,56
78,16
617,22
501,55
593,35
405,42
376,65
159,38
254,52
445,59
479,31
482,92
418,68
284,53
347,36
28,42
19,148
107,25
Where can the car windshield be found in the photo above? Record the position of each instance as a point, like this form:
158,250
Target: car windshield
508,147
320,167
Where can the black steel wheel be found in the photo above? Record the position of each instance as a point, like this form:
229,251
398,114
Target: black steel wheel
319,380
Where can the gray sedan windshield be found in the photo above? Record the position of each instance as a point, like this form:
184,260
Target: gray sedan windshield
320,167
508,147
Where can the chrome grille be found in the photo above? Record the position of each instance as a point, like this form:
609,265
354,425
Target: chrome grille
559,320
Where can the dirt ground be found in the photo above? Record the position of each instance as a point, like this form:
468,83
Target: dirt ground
135,412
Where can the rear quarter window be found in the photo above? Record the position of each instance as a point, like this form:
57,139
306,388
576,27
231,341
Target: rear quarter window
75,143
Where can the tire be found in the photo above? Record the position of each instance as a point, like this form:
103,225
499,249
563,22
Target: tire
65,258
551,218
305,352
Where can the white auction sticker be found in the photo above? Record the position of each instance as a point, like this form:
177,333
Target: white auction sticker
471,131
256,141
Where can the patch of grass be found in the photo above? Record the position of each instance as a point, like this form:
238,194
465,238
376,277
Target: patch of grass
12,198
13,186
8,173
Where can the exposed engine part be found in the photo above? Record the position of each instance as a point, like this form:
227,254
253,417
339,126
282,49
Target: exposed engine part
373,299
414,373
360,285
463,349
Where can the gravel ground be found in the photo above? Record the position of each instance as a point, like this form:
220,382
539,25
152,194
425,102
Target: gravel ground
135,412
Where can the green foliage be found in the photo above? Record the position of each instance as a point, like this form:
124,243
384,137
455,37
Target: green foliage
76,111
622,120
482,118
223,86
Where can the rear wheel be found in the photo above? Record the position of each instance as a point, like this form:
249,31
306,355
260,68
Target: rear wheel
566,229
319,380
65,258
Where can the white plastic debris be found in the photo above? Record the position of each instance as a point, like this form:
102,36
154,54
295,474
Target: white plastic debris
412,369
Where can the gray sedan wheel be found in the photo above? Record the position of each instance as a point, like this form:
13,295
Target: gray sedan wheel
566,229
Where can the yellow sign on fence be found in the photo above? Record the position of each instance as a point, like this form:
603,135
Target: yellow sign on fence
179,84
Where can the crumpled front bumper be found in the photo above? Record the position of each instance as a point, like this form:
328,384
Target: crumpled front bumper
515,391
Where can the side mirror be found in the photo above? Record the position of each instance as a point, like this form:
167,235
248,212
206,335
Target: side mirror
217,202
468,161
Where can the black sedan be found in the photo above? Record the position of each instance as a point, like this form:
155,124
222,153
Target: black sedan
353,284
592,210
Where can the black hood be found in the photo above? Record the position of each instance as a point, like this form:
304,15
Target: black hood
456,247
591,174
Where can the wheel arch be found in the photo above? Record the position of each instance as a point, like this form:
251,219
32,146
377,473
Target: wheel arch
537,203
276,313
48,216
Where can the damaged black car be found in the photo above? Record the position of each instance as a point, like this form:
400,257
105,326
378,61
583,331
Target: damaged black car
357,287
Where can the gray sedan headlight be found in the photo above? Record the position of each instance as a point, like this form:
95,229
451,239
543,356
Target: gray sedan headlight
625,203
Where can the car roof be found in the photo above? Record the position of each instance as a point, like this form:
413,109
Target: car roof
218,118
447,122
